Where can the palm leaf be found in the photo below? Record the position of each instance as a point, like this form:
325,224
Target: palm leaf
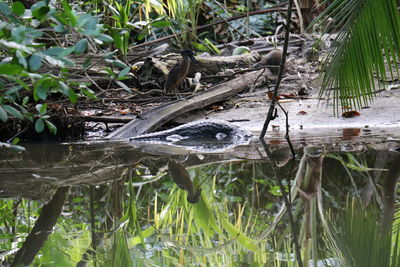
368,44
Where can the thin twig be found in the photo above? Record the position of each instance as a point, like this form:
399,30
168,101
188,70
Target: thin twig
288,204
280,74
287,129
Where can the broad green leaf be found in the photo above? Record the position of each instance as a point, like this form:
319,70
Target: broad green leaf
117,40
212,46
18,8
40,10
13,90
41,91
10,69
68,12
21,59
72,96
60,28
118,63
11,110
87,92
35,62
126,88
41,108
161,24
124,72
241,50
142,35
200,47
204,216
54,61
81,46
4,9
68,92
39,125
59,51
3,114
250,244
15,45
52,128
67,62
104,37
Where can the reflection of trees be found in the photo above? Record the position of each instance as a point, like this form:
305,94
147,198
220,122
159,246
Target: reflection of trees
236,181
389,194
42,228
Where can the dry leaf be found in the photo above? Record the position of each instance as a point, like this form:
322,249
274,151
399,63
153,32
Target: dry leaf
350,114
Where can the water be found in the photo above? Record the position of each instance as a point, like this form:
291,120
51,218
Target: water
105,203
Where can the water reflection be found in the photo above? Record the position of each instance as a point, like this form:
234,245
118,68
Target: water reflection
109,204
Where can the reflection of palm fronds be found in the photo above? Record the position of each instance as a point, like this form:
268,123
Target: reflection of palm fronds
356,239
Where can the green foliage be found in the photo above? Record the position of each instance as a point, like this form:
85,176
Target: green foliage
359,241
367,44
24,71
184,17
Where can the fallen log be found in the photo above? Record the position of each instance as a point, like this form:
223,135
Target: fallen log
157,68
152,119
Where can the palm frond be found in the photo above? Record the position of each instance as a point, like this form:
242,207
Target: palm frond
367,45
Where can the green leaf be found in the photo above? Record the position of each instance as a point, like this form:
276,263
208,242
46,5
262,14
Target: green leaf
161,24
3,114
40,10
72,96
200,47
21,59
15,45
35,62
56,51
25,100
68,12
142,35
18,8
39,125
118,63
10,69
41,108
212,46
241,50
15,140
11,110
4,9
124,72
87,92
52,128
41,91
81,46
68,92
104,37
60,28
126,88
54,61
117,40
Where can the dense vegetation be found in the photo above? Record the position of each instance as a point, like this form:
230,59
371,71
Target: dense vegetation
40,42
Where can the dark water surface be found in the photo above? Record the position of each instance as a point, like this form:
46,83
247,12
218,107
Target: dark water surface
106,203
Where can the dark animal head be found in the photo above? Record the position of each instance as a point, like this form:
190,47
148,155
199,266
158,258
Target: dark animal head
189,54
194,198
